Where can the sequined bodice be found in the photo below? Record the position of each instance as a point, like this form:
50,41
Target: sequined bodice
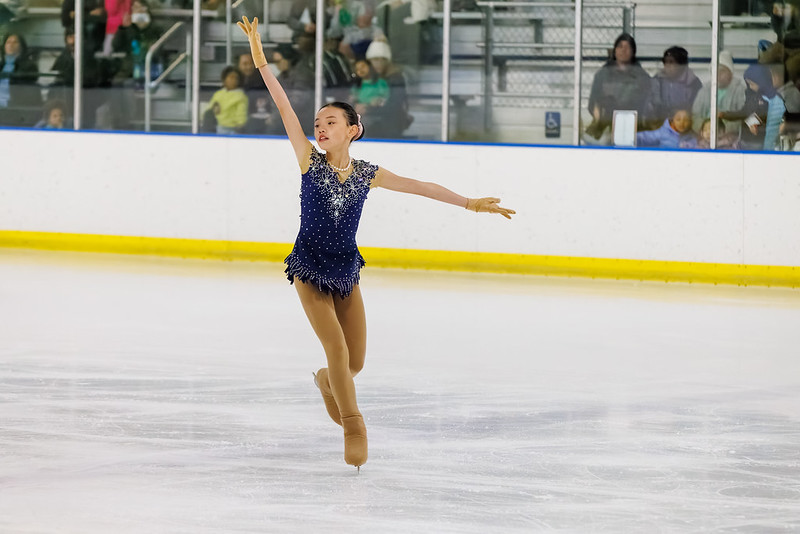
330,210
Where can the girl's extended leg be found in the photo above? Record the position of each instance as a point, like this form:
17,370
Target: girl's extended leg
322,314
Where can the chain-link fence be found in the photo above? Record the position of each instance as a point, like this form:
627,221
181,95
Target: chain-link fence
529,48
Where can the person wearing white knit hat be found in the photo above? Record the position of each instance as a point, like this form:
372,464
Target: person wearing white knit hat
730,94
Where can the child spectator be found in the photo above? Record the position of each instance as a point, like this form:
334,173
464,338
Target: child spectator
229,104
676,132
54,116
370,90
725,140
392,118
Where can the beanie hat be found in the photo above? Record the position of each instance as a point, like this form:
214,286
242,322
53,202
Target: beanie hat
379,49
678,53
726,60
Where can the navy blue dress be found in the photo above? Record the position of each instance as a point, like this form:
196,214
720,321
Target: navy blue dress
325,252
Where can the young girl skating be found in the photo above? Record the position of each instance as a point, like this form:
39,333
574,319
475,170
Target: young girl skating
325,261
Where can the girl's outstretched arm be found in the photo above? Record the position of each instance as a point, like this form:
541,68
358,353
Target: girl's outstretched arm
389,180
290,121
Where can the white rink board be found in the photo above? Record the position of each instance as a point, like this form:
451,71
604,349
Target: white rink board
651,205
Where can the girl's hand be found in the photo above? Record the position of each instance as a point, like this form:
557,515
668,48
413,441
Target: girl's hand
488,205
256,49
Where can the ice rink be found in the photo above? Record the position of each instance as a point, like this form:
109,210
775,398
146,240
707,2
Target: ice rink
156,395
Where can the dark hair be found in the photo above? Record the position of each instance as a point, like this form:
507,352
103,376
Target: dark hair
231,69
23,45
373,74
678,53
630,40
349,114
288,52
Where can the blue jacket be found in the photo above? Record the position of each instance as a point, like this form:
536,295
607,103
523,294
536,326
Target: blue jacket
666,137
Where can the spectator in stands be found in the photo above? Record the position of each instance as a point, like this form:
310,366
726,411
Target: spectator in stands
676,132
134,36
298,82
785,21
336,69
620,84
725,140
358,30
54,116
675,86
94,22
18,74
392,118
302,19
765,126
370,90
116,13
94,76
258,108
229,104
730,94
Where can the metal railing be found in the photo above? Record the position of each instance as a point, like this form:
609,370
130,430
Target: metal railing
150,85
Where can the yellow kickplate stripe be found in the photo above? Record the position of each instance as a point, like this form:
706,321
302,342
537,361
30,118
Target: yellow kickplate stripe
665,271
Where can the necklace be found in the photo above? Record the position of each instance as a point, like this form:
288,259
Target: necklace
335,168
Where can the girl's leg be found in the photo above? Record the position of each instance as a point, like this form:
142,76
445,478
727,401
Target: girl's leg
321,313
353,320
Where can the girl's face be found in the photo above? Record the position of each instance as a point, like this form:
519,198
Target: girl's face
56,118
362,69
13,46
331,129
705,131
752,85
681,122
231,81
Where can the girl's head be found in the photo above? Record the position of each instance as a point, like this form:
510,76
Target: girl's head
54,114
705,129
231,78
337,125
364,70
284,57
624,49
681,121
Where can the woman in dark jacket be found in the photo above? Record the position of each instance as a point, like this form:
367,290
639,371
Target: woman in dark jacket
620,84
18,74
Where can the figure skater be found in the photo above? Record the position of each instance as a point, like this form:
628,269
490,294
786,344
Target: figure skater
325,262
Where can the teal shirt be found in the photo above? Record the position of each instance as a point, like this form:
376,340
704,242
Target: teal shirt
371,93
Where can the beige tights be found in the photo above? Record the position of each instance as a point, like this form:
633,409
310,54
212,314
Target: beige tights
341,326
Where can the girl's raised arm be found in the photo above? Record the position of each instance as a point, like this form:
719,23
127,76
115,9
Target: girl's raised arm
290,121
393,182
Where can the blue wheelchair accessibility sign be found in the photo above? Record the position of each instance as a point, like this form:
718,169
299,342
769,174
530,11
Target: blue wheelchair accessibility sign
552,124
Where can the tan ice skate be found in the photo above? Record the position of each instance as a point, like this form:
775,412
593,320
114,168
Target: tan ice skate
355,440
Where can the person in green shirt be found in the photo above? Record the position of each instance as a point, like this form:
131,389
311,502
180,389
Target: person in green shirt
229,104
370,89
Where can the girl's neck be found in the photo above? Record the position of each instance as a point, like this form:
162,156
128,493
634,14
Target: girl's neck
338,158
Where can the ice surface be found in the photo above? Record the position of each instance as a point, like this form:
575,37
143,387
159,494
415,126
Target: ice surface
152,395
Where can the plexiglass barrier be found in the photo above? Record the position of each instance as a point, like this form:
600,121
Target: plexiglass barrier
529,72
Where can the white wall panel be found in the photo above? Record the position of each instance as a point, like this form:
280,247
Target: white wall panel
654,205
